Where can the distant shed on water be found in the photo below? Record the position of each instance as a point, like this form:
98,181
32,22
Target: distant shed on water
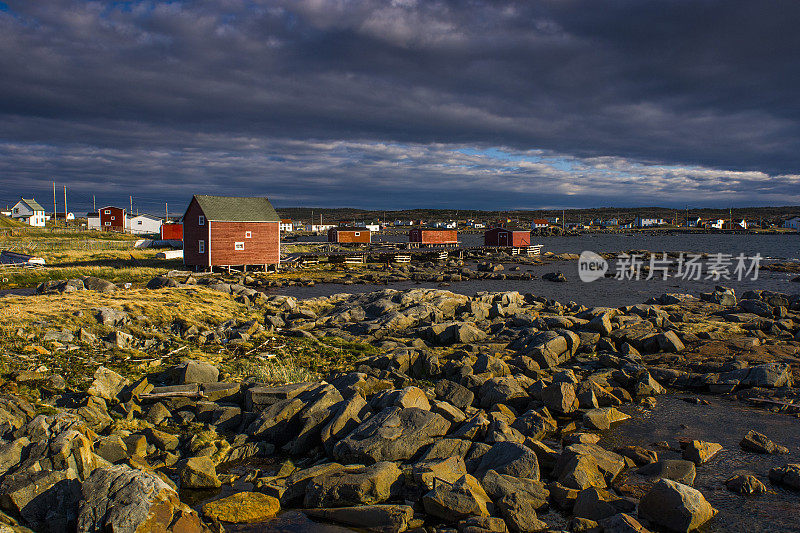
343,235
433,237
506,237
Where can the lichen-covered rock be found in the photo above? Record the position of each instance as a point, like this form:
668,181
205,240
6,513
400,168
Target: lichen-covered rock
675,507
394,434
354,485
121,499
242,508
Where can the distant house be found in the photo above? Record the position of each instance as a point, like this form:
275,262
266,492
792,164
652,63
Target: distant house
29,212
433,236
286,224
172,231
230,231
93,220
319,228
373,227
792,223
506,237
113,219
403,223
715,224
445,225
144,224
353,235
554,221
61,217
538,223
694,222
640,222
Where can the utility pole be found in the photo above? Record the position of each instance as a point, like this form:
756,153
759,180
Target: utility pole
94,204
65,206
131,199
54,203
166,211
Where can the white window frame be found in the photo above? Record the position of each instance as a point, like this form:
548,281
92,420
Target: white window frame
238,246
201,247
248,234
357,233
201,220
107,212
108,223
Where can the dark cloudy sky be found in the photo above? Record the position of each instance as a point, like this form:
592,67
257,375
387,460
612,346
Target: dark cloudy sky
396,104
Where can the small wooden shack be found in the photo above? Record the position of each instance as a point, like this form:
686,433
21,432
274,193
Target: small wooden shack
230,231
172,231
347,235
433,237
506,237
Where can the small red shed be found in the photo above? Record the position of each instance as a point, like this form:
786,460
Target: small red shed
345,235
433,236
506,237
230,231
112,219
172,231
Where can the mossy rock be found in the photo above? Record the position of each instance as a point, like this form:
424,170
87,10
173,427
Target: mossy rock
243,508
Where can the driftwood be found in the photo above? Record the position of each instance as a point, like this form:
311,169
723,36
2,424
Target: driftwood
193,395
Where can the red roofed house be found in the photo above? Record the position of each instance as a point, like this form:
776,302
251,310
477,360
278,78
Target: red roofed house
230,231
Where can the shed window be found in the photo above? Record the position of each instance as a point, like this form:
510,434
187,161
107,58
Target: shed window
113,218
139,222
201,247
108,223
107,211
248,234
201,220
238,246
357,234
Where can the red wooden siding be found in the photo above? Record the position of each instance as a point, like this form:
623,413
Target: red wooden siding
172,232
433,236
361,235
505,237
261,248
112,219
193,233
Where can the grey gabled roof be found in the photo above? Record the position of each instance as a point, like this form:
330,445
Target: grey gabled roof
237,209
33,204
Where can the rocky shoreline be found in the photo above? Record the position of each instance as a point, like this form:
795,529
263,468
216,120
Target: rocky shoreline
470,414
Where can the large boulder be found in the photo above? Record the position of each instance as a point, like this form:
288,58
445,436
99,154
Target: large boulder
354,485
459,500
107,384
242,508
560,397
393,434
788,476
197,372
125,500
675,507
199,473
549,348
384,517
509,458
518,499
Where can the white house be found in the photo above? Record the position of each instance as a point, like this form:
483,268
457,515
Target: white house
537,223
286,225
374,228
792,223
716,224
640,222
29,212
93,220
445,225
319,227
144,224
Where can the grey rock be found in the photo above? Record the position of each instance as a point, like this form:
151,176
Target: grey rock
675,507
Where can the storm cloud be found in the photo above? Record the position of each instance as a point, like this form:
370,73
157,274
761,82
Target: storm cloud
402,104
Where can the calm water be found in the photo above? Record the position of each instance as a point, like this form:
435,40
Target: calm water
609,291
673,419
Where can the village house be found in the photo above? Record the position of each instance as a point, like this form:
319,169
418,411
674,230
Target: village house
113,219
172,231
93,220
350,235
715,224
538,223
286,225
144,224
433,237
230,231
640,222
506,237
792,223
29,212
445,225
